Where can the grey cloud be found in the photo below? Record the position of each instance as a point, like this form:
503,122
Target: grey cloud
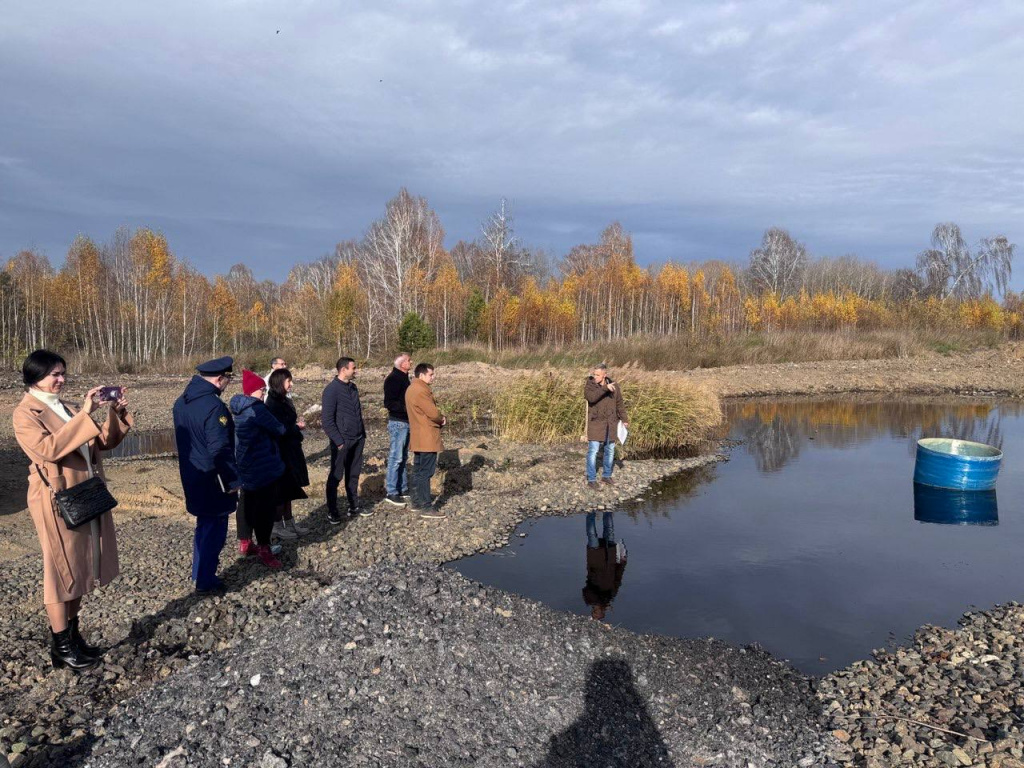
858,127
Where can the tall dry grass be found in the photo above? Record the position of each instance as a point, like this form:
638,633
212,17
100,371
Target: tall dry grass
655,353
665,414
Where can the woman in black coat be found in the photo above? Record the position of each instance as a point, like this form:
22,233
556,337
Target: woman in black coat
296,475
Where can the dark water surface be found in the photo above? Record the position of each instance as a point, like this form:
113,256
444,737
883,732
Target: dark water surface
151,443
807,541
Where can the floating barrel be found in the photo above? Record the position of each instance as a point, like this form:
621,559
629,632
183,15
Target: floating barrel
958,464
948,507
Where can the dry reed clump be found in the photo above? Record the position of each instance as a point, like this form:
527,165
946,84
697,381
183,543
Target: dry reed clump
665,413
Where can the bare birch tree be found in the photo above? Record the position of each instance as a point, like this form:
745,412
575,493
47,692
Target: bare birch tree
399,253
952,270
507,262
777,266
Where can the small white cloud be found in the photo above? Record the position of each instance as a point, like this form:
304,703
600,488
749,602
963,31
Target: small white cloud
668,28
723,40
765,116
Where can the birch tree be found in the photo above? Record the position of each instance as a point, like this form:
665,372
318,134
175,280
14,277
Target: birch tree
951,269
777,265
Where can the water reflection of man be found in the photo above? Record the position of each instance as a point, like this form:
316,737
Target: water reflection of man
606,562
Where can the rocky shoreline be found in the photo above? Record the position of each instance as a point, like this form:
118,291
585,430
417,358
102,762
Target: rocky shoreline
955,697
154,625
165,643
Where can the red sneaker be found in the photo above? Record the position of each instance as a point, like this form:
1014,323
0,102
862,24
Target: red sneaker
246,547
267,558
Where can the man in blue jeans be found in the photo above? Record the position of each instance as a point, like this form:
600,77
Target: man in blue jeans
396,484
605,410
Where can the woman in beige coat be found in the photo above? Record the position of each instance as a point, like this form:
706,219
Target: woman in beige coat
60,443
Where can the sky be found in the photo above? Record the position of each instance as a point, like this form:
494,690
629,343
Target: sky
265,132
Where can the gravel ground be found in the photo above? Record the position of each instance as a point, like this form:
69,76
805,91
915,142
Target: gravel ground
901,707
154,625
416,665
654,698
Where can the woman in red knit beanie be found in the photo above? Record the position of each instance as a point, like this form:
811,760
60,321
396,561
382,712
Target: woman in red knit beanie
260,466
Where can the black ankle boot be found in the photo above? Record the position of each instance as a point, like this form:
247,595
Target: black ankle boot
84,647
65,653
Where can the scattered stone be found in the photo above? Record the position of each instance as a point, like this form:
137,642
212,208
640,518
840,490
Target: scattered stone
462,686
969,681
273,760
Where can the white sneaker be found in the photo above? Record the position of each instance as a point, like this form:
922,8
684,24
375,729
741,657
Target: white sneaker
300,530
283,532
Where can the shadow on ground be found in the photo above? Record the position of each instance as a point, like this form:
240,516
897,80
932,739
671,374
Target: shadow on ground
615,727
236,576
458,475
13,481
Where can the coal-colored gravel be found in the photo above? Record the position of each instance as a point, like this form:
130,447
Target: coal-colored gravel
154,625
416,665
953,698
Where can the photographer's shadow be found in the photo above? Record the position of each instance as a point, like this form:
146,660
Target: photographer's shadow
615,728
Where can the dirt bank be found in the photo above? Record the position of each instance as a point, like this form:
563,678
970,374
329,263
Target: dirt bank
991,372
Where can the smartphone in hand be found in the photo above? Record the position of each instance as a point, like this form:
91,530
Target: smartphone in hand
110,394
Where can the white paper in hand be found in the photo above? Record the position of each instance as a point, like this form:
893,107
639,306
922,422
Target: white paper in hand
623,433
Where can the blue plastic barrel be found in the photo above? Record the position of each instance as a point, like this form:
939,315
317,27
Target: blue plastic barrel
949,507
943,462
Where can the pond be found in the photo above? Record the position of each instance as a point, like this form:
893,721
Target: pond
809,541
154,442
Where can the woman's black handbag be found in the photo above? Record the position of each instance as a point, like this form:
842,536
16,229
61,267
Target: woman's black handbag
83,502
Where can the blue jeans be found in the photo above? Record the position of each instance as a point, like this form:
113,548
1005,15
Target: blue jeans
609,458
608,529
397,481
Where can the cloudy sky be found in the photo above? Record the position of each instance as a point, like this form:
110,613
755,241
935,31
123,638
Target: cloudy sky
266,131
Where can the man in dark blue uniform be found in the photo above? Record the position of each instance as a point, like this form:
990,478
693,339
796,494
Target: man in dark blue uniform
205,435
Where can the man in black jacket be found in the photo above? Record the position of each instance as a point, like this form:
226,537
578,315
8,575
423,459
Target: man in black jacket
342,419
396,485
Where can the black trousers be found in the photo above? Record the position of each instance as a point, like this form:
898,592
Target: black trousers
244,529
346,464
260,511
424,464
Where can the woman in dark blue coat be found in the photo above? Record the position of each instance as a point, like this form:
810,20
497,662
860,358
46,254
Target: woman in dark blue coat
259,462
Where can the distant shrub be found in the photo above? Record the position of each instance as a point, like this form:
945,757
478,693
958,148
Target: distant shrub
415,334
664,413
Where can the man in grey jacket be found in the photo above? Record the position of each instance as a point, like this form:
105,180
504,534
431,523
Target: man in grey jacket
342,419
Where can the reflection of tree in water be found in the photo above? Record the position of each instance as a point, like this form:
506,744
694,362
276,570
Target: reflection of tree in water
774,444
775,432
669,492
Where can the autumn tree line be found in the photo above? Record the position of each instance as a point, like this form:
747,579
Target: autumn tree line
130,301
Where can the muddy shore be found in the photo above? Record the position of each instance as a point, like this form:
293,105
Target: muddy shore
156,629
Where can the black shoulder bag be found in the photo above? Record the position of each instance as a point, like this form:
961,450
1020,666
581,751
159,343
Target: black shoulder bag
83,502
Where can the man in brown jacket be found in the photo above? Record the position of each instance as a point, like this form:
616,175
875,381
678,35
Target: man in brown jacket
605,410
425,422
